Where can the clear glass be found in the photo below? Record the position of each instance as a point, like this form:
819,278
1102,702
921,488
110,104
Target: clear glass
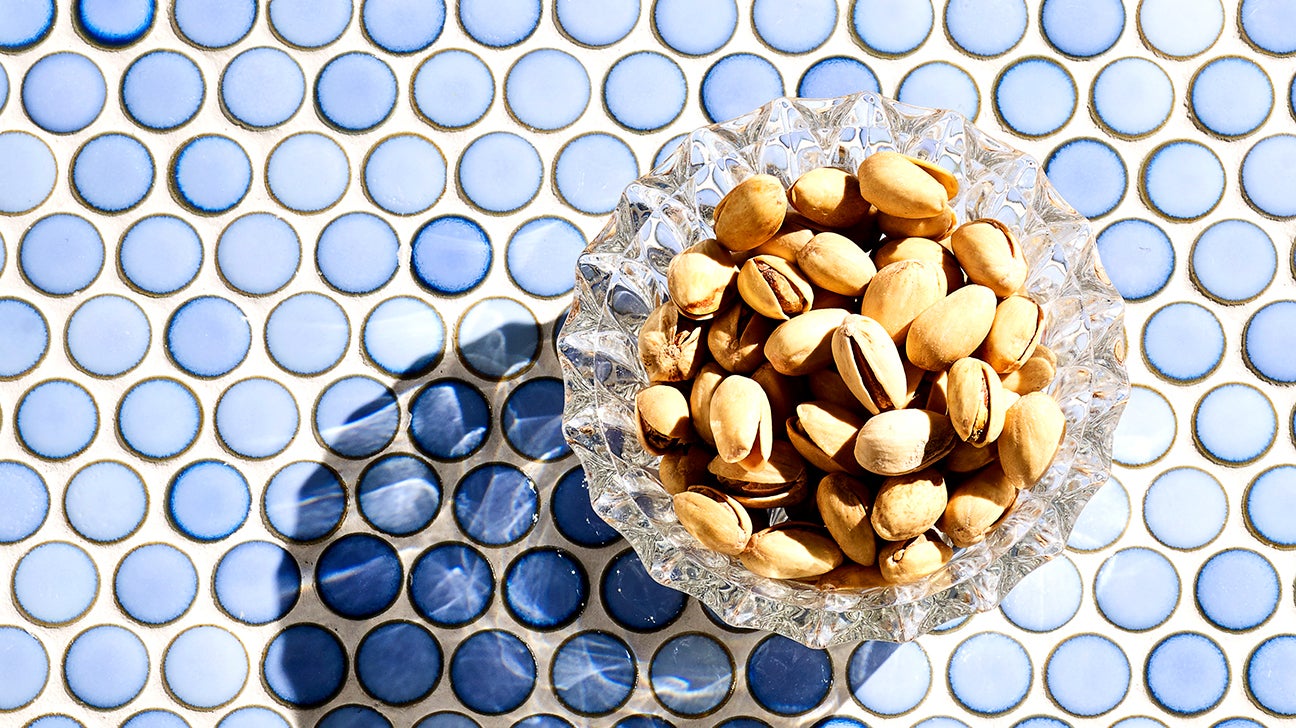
621,278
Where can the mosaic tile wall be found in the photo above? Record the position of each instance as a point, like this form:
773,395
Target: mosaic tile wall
280,438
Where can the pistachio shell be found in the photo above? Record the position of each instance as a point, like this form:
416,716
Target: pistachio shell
907,505
967,458
662,415
952,328
701,279
901,291
990,255
905,562
682,469
933,228
851,576
740,421
804,344
717,521
897,186
836,263
783,391
976,403
976,505
1016,331
774,287
751,212
793,495
903,441
704,386
828,196
1032,434
791,551
1036,374
790,238
869,363
670,345
824,434
783,470
736,339
843,504
929,251
945,177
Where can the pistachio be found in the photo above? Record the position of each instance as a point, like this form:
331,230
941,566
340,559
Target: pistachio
851,576
717,521
905,562
1036,374
967,458
901,291
774,287
681,469
804,344
976,505
791,496
945,177
828,196
669,345
898,442
990,255
791,551
843,503
740,421
736,339
869,363
976,404
790,238
925,250
704,386
824,434
784,470
951,328
1032,434
907,505
897,186
751,212
836,263
783,391
935,227
1016,331
662,415
701,279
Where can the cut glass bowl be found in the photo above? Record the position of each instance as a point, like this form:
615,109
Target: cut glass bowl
621,276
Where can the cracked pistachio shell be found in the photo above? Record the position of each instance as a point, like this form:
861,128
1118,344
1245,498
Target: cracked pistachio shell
804,344
908,505
736,339
783,470
1033,376
670,345
928,251
869,363
682,469
951,328
976,505
901,291
793,495
844,504
774,287
824,434
751,213
1016,331
740,421
967,458
934,228
898,442
990,255
830,197
790,238
701,279
905,562
898,186
662,415
1032,434
704,386
834,262
783,391
791,551
717,521
976,401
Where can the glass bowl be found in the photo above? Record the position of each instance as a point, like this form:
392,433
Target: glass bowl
621,277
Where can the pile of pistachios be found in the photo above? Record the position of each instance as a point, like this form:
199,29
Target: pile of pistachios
845,351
